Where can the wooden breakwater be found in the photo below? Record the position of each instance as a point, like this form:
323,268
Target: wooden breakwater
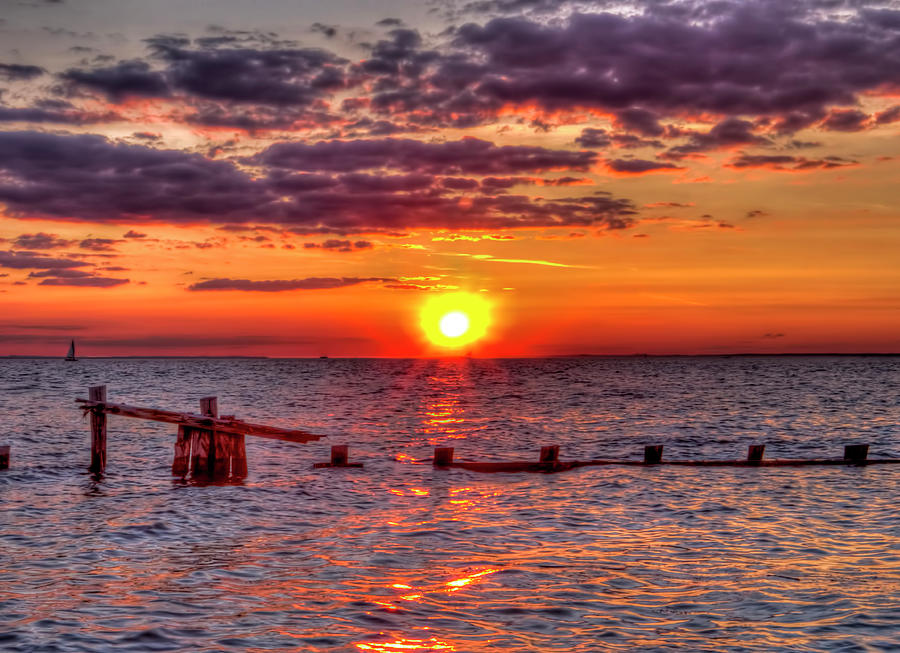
206,446
548,460
210,446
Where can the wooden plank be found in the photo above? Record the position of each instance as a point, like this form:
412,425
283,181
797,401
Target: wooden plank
224,424
97,394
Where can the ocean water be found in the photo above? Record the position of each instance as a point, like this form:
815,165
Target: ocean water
399,556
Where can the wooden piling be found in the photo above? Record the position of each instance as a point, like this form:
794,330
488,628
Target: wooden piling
550,454
339,454
856,453
339,458
443,456
4,456
653,454
755,453
181,461
97,393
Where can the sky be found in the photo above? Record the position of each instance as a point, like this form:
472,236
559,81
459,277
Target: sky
296,178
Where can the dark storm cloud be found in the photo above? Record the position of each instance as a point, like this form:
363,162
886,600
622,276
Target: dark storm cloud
466,156
89,178
279,285
14,72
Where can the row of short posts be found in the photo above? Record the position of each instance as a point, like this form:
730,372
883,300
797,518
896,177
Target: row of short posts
653,454
856,453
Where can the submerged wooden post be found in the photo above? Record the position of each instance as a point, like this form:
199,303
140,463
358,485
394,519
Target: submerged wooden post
443,456
4,457
98,430
653,454
339,455
755,453
339,458
550,454
856,452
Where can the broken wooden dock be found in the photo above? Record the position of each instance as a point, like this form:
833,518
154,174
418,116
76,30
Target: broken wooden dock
207,445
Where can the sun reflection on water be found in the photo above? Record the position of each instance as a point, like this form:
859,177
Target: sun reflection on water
406,644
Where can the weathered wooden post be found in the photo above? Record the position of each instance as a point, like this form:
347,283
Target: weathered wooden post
98,430
4,457
339,458
443,456
550,454
755,453
653,454
856,453
339,455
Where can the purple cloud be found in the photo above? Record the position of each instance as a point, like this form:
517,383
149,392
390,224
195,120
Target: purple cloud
89,178
280,285
466,156
639,166
84,282
31,260
40,240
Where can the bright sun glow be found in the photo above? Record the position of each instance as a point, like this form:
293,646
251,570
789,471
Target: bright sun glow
454,324
455,319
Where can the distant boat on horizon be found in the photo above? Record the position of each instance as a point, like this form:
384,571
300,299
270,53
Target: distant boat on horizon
71,355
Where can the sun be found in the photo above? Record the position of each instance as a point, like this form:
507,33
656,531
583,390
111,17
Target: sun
455,319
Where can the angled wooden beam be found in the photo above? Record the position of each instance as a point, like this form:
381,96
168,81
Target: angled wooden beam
193,420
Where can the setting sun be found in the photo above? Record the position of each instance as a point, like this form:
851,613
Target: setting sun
454,324
455,319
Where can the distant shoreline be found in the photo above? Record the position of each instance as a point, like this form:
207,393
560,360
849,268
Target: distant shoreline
732,355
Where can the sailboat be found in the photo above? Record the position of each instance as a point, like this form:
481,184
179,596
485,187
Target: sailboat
71,355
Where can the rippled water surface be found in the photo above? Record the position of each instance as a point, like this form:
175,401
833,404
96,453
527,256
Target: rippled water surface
401,557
